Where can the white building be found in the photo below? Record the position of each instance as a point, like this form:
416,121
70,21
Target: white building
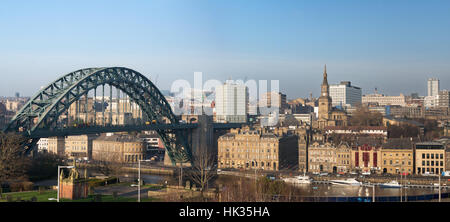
383,100
231,103
344,94
431,101
42,145
433,87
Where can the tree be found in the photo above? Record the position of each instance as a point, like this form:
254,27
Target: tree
403,131
108,163
203,168
364,117
13,162
44,166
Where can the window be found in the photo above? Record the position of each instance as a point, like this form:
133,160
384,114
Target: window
428,156
423,155
432,156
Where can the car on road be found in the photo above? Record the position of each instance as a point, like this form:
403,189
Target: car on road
271,176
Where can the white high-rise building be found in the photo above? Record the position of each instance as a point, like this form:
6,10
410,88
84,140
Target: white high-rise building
433,87
345,95
231,103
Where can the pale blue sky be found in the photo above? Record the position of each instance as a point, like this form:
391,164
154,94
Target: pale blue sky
392,45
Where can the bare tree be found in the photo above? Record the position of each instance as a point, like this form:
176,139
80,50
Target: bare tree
108,163
203,168
13,162
364,117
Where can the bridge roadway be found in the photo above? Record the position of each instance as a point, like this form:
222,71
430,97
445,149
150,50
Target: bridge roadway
74,131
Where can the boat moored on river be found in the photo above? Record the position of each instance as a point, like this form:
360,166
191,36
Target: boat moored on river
348,182
391,184
298,180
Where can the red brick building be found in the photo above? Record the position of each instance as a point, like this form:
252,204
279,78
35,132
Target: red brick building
73,187
366,158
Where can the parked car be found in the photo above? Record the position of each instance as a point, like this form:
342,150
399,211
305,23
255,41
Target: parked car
271,176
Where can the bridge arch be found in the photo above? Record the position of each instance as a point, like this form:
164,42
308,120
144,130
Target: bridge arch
44,109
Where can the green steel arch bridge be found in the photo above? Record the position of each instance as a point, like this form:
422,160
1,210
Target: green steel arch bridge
70,106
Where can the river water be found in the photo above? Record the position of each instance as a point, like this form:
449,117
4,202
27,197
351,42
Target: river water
307,190
329,190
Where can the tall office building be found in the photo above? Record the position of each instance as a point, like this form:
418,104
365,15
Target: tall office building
344,94
278,98
231,103
433,87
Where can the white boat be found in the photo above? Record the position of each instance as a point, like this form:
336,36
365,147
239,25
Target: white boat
349,182
298,180
391,184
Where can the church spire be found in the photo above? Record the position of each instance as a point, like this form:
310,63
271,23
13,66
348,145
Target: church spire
325,76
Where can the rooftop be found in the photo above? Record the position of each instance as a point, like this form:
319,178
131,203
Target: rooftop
118,138
398,143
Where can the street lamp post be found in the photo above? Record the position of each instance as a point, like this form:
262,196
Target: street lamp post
439,187
139,178
402,182
59,169
373,193
401,186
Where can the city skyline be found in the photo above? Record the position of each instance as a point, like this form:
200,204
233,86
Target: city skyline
208,101
392,46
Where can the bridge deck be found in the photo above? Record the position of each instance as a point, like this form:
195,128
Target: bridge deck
73,131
